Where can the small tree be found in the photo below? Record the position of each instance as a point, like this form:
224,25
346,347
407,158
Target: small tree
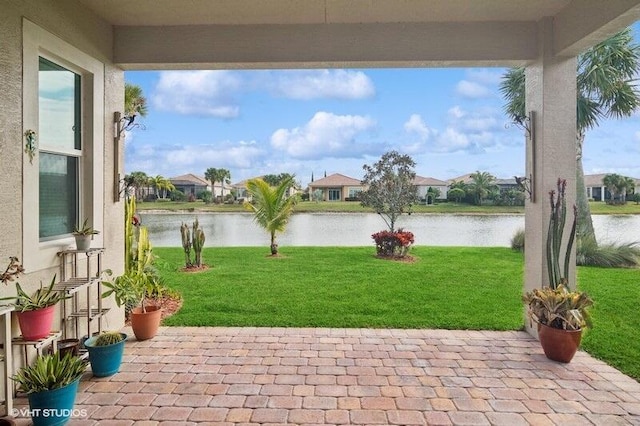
456,194
391,191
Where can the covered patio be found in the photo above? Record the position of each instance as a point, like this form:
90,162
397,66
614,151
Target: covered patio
234,376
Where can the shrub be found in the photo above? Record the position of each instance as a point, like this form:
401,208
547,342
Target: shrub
393,244
178,195
517,241
205,196
589,253
192,198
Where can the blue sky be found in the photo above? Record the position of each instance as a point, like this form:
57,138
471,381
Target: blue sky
450,121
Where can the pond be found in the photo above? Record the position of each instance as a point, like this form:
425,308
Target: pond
355,229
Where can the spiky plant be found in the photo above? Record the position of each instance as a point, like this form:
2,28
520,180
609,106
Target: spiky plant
109,338
186,243
49,372
557,221
197,242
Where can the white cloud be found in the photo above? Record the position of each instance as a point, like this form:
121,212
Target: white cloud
416,125
325,135
488,76
172,160
456,112
205,93
473,90
321,84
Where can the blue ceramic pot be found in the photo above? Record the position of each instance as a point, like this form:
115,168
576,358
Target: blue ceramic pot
53,407
105,360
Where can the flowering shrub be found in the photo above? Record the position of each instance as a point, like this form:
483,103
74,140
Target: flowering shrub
393,244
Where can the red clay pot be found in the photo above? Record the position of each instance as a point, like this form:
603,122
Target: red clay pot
559,345
35,325
145,324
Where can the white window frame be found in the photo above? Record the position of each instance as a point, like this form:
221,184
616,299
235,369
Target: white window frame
37,42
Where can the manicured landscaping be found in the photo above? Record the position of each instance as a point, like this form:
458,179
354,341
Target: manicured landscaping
446,287
349,287
354,206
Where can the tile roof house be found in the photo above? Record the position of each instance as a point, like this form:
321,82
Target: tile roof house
597,191
190,184
424,183
337,187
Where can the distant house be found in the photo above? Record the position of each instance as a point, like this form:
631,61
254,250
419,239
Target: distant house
424,183
597,191
243,194
337,187
506,185
190,184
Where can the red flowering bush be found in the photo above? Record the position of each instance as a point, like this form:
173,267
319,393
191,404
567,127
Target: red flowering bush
393,244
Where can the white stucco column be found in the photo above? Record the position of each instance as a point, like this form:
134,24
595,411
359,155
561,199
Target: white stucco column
602,193
551,95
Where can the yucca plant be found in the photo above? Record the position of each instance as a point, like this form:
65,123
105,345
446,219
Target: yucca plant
109,338
49,372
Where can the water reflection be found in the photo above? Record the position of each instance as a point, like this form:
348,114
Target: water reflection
355,229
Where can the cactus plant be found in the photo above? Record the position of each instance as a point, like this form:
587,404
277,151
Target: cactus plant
109,338
198,243
554,237
186,243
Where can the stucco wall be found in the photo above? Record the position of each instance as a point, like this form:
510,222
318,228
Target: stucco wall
80,28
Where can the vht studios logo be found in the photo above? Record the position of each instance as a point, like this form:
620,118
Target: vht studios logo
48,412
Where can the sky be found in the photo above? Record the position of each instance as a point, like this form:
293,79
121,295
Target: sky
312,122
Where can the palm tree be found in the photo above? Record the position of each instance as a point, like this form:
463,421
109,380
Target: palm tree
482,184
271,205
138,180
605,89
134,102
160,183
217,175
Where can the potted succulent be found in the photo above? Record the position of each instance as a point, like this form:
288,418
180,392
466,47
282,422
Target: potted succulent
561,313
105,352
51,384
35,312
83,235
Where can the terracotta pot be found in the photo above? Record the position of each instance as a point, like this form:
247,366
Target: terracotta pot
145,324
35,325
559,345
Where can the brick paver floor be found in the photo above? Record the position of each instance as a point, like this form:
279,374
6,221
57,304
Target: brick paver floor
244,376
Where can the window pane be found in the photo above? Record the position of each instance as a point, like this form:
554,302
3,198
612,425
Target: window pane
58,194
59,106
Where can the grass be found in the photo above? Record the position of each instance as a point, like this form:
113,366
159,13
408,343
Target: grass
349,287
615,336
447,287
354,206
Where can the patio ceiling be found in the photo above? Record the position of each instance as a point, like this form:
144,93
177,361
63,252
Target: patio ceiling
169,34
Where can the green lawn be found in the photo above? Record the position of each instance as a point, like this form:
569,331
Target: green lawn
451,288
354,206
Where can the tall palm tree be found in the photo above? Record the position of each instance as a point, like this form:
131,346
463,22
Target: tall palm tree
482,184
271,205
160,183
606,88
217,175
134,102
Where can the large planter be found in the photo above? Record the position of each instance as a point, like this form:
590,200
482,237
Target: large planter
36,324
105,360
145,324
559,345
53,407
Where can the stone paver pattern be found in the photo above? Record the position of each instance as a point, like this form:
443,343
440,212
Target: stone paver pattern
275,376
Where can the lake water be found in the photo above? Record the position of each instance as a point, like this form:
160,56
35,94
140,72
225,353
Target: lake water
355,229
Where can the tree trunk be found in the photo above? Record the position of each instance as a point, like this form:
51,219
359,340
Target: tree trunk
274,246
585,223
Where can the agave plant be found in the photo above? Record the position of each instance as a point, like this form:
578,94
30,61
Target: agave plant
49,372
42,298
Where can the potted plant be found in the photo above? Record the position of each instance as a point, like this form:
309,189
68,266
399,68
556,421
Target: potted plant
561,314
35,312
105,352
83,235
51,384
139,279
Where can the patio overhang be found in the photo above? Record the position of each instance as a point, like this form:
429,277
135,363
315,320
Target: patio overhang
230,34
